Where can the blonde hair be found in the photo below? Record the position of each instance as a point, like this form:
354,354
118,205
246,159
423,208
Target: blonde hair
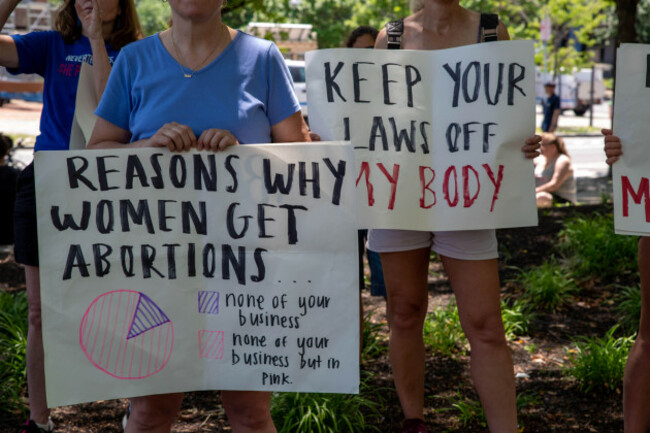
557,141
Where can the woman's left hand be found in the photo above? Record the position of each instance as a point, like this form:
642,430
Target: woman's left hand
91,21
531,148
215,140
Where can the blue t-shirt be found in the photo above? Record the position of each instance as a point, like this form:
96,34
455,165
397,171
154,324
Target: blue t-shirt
46,54
550,104
245,90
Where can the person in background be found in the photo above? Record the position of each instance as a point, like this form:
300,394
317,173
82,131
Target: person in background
551,108
554,179
362,37
636,380
469,257
91,31
202,85
8,178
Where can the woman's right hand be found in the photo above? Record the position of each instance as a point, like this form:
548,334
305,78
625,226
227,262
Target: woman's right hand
613,148
174,136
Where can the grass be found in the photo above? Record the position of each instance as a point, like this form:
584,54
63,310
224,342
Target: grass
442,331
373,338
628,307
594,250
13,340
470,411
546,287
326,413
599,363
516,319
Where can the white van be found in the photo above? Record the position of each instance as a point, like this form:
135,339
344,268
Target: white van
297,70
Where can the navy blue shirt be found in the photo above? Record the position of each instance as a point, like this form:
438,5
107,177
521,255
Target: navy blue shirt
550,104
46,54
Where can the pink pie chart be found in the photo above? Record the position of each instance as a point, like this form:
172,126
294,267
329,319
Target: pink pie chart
126,335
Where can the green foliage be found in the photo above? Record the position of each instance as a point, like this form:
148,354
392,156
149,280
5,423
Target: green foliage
547,286
326,413
154,15
643,21
595,250
442,330
373,342
628,306
516,319
572,21
377,13
13,341
471,412
599,363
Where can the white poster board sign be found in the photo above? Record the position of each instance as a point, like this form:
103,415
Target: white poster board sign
630,174
437,134
169,272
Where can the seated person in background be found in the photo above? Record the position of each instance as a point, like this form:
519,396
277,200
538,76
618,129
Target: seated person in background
554,178
8,179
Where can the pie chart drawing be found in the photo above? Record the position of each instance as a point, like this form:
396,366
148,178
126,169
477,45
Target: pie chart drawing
126,335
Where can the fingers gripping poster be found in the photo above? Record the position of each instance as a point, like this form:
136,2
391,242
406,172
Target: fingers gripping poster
169,272
437,134
631,173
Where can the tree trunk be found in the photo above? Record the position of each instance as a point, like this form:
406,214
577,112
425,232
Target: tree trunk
626,12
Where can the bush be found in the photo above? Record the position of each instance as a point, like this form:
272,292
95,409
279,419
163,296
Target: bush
628,306
442,330
516,319
325,413
546,287
13,343
599,363
373,341
595,249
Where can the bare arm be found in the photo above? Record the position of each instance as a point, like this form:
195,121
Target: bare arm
174,136
8,51
290,130
92,24
560,174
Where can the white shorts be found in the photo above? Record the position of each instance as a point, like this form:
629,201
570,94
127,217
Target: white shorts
463,244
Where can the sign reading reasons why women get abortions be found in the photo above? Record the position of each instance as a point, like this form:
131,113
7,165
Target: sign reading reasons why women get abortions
437,134
167,272
631,173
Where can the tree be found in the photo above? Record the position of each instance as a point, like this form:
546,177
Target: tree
574,25
154,15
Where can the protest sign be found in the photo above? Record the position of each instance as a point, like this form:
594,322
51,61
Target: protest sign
631,173
167,272
437,134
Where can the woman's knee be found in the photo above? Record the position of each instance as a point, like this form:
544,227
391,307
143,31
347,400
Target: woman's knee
407,316
248,409
485,330
154,411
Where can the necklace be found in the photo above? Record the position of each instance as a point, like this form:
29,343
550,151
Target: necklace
200,65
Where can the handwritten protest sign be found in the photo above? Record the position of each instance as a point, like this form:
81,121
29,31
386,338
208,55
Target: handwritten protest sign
631,173
169,272
437,134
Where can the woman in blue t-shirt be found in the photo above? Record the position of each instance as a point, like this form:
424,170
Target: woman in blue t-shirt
90,31
200,85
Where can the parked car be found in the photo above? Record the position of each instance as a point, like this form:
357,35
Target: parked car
297,70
